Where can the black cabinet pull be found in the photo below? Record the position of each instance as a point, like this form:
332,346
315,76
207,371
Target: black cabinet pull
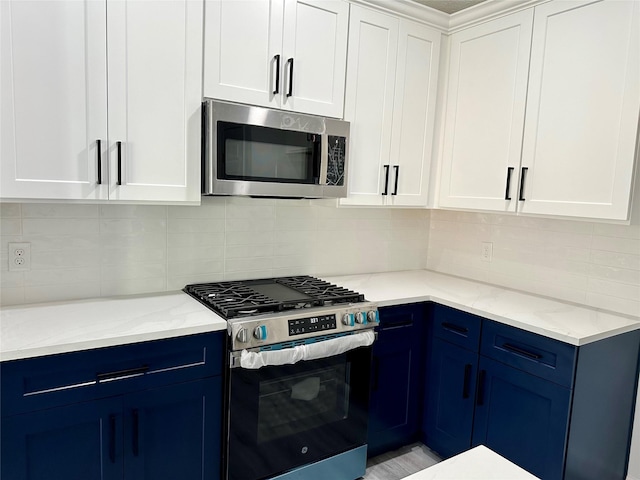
376,373
121,374
395,188
277,87
112,438
119,149
506,193
99,148
480,397
467,381
290,92
455,328
521,351
522,177
402,323
386,180
135,437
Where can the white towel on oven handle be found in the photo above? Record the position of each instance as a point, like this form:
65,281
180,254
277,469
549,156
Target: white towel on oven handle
313,351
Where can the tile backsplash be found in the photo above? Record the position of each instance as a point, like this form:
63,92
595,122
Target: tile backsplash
596,264
82,251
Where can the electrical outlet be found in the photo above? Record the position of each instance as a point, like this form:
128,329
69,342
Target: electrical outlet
19,257
487,251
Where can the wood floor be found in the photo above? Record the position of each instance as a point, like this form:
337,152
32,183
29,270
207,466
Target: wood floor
400,463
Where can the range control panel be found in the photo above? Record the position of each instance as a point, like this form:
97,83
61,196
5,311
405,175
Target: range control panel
322,323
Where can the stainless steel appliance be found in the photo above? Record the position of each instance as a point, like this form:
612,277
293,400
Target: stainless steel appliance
298,378
264,152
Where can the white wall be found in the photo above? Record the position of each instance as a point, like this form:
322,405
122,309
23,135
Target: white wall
590,263
82,251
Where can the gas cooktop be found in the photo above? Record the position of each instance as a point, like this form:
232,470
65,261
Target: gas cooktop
237,299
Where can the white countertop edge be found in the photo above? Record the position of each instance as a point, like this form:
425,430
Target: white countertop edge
108,342
509,321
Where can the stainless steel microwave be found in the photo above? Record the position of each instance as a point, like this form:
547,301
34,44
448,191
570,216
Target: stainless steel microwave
259,151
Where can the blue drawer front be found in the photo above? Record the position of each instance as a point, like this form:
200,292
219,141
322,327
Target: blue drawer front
56,380
541,356
460,328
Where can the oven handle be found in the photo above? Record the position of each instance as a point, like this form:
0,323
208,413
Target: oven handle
313,351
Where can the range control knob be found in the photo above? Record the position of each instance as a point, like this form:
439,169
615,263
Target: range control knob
372,316
347,319
361,317
242,335
260,332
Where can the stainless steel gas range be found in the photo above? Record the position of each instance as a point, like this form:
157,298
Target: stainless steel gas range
298,377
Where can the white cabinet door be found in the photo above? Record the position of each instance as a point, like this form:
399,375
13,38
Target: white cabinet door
155,94
485,114
582,109
315,55
242,43
54,99
371,73
416,87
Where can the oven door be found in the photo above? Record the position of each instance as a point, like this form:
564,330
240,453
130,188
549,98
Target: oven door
286,416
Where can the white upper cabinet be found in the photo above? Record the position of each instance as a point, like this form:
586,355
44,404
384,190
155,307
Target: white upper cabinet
582,109
390,101
62,97
54,100
288,54
155,96
485,114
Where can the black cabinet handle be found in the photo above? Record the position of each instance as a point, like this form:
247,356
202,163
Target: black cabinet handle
112,438
402,323
506,193
386,180
521,351
376,373
522,177
277,87
455,328
135,447
395,188
480,397
467,381
290,92
121,374
99,148
119,149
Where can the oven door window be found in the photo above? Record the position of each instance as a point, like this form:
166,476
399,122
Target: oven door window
262,154
287,416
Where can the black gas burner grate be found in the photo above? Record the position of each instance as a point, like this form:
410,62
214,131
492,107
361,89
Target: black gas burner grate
239,299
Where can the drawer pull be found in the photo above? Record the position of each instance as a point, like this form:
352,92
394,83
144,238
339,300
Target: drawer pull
467,380
455,328
390,326
521,351
480,397
122,374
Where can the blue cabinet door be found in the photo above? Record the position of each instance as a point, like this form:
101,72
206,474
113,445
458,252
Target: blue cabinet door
450,398
174,432
396,379
522,417
78,442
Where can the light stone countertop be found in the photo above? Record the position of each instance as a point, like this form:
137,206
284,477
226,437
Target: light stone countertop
45,329
51,328
479,463
562,321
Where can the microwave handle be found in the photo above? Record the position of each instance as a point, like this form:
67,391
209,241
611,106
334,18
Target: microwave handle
324,158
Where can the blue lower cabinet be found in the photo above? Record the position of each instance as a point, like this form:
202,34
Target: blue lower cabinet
522,417
173,432
448,413
396,379
78,442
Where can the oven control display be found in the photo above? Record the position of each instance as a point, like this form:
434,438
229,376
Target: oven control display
312,324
